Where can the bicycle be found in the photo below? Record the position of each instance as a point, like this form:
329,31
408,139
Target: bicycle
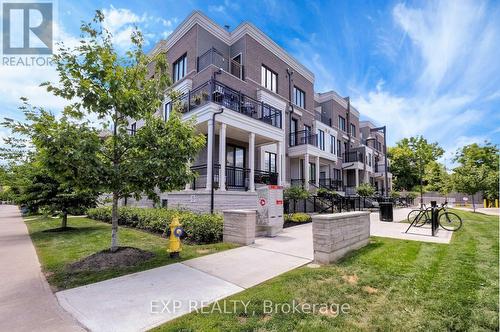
447,220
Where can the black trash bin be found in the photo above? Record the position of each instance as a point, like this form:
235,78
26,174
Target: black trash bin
386,211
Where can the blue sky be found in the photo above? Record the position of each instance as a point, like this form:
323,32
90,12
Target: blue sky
426,67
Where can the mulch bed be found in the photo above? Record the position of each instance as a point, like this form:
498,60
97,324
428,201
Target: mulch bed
104,260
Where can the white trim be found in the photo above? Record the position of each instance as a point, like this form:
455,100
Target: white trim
230,38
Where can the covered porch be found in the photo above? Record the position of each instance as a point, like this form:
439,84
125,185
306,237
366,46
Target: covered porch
232,158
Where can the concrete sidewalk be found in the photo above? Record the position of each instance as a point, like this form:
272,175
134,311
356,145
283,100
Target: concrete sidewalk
488,211
26,301
132,302
396,230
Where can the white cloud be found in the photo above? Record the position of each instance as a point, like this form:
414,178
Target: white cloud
455,43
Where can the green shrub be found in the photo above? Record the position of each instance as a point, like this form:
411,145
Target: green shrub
365,190
199,228
297,217
295,192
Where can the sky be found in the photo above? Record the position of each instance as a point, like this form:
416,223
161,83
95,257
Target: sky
428,68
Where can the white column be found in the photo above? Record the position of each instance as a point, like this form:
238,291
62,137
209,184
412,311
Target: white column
306,171
251,160
188,185
317,171
280,166
356,173
210,150
222,157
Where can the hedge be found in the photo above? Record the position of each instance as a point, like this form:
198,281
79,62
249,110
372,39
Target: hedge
298,217
199,228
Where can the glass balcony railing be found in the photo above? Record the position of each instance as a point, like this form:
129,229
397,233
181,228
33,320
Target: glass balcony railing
216,58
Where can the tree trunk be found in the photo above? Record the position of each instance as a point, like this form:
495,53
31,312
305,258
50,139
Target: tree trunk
473,204
64,222
114,224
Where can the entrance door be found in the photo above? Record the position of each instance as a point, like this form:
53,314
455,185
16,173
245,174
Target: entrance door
235,166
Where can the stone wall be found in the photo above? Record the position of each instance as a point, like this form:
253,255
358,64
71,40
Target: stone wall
334,235
199,200
239,226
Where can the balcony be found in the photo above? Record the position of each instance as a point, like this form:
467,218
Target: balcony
216,58
219,93
303,137
237,178
323,118
353,156
332,184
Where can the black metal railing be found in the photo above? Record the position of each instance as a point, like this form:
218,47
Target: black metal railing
219,93
353,156
216,58
297,182
236,177
303,137
200,180
331,184
264,177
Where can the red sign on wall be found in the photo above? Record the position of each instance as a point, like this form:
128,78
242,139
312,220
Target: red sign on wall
279,202
262,202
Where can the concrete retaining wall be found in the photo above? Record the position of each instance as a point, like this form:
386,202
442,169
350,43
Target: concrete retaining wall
334,235
199,200
239,226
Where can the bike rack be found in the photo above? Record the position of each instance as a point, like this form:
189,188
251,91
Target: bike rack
434,219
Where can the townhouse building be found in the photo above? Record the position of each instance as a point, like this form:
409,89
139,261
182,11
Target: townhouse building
263,122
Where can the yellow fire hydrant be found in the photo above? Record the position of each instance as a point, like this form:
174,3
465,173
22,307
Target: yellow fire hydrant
175,233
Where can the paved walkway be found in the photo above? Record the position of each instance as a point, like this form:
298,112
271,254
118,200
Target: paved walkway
26,301
141,301
396,230
489,211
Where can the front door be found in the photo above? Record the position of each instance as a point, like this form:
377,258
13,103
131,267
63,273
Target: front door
235,166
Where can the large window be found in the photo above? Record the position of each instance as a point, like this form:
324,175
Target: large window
307,130
312,172
269,79
299,97
180,68
353,130
332,144
321,139
270,162
342,124
167,110
339,148
133,128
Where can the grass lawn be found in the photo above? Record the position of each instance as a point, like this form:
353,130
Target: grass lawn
56,249
390,285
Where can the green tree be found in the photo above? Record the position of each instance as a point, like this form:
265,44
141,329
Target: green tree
97,80
471,179
487,156
436,178
409,158
57,166
365,190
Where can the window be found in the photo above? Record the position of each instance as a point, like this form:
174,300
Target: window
133,128
332,144
353,130
342,123
339,148
336,174
299,97
180,67
269,79
236,67
369,159
312,172
307,130
167,110
293,132
270,162
321,139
